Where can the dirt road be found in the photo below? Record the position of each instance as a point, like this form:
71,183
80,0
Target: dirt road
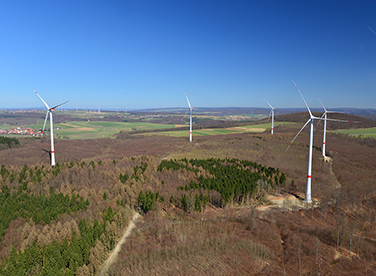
113,255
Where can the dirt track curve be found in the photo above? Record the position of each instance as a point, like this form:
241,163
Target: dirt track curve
113,255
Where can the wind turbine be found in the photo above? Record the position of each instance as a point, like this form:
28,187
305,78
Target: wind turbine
326,118
309,170
49,110
190,118
271,114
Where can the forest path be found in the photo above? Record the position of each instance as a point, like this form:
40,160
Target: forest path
330,161
113,255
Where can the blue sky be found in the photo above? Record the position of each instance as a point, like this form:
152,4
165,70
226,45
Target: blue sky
146,54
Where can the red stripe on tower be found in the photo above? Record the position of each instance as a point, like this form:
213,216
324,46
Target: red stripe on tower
52,151
308,176
323,143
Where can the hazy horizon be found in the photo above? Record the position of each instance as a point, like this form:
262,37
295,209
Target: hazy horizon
165,109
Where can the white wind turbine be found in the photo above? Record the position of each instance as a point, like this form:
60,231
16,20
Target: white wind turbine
309,170
271,114
190,118
326,118
49,110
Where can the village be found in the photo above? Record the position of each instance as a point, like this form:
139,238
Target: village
20,131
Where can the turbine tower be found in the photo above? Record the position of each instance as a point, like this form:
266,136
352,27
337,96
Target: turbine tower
309,170
190,118
271,114
49,110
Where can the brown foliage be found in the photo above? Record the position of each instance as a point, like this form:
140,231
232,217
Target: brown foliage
170,241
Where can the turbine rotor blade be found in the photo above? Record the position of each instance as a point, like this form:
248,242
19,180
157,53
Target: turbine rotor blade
335,112
44,125
326,111
298,134
310,113
42,99
189,104
321,103
371,30
269,104
344,121
52,108
185,114
320,119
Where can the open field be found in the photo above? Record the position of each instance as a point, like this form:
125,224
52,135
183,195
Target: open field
364,132
103,129
206,132
219,131
98,129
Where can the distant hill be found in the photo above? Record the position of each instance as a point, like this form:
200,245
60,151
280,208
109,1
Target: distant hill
223,111
302,117
231,116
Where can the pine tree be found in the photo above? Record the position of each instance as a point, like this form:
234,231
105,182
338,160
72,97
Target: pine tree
172,199
141,200
198,204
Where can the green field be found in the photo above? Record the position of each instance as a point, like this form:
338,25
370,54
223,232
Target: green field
92,130
203,132
96,129
364,132
269,125
218,131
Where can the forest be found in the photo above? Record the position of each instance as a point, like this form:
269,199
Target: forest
205,207
6,142
61,229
